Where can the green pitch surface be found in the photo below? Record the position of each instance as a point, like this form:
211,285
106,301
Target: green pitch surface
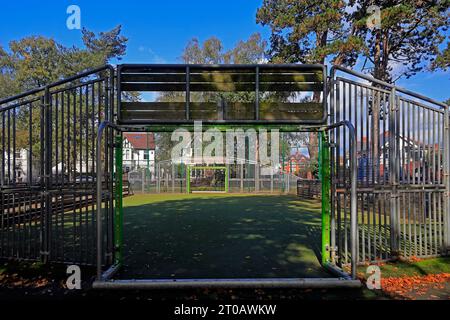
221,236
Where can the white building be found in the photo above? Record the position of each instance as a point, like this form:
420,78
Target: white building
16,166
139,151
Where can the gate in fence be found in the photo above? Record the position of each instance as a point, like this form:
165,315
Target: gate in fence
48,174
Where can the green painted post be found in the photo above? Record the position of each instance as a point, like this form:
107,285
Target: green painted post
188,179
118,210
324,172
226,179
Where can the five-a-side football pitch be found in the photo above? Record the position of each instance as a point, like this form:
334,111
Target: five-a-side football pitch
221,236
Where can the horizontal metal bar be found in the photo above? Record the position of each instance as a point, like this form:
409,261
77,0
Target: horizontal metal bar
336,68
145,127
333,269
362,85
55,84
310,283
225,66
25,103
79,85
108,274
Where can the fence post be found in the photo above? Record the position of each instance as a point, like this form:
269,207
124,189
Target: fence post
173,178
324,169
271,179
241,172
142,181
446,169
118,212
45,227
393,174
188,179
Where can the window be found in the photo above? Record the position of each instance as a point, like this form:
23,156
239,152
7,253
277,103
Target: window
146,155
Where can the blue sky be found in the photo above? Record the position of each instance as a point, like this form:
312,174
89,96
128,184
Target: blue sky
159,30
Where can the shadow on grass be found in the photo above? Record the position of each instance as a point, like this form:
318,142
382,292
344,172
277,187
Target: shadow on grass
222,237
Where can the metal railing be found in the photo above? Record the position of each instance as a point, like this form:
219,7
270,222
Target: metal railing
47,201
402,176
389,147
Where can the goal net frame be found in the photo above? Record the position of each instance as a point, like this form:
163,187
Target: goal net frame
189,186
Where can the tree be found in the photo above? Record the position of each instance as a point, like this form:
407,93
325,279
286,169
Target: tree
36,61
212,51
309,32
407,39
337,31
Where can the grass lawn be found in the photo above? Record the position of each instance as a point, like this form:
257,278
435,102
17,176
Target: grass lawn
413,268
221,236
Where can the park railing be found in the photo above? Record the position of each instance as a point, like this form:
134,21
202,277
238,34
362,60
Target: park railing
48,169
403,168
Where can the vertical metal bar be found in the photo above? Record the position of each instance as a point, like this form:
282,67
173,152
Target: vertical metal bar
403,176
434,181
227,177
446,174
118,212
333,166
336,231
14,151
99,201
394,236
47,174
188,92
3,149
257,94
9,147
188,179
324,164
108,100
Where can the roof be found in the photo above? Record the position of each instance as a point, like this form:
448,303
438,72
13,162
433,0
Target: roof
298,156
141,141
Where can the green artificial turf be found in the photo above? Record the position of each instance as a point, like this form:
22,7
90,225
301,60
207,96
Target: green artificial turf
221,236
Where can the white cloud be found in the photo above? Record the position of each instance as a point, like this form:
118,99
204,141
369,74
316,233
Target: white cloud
153,57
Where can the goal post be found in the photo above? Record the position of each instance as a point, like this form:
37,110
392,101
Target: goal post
207,179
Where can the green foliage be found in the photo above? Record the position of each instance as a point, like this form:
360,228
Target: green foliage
36,60
309,31
316,31
408,39
443,59
212,51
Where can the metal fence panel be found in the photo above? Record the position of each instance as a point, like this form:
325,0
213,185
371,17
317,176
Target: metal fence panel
47,144
402,168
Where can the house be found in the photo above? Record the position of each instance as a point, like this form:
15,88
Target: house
414,156
16,166
139,151
299,164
